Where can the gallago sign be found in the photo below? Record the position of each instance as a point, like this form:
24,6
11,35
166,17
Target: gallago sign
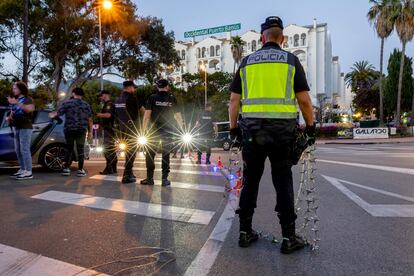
371,133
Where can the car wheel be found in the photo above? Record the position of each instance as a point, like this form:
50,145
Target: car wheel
226,145
53,156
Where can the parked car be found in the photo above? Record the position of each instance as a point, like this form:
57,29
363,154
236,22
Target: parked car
222,135
48,141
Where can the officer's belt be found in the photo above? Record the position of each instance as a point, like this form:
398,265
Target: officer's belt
269,115
256,101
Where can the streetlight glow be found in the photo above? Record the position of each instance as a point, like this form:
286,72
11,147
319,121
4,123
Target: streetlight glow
107,5
202,67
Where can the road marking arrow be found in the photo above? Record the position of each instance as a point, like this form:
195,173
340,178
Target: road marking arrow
376,210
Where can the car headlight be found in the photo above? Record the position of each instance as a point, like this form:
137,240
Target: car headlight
187,138
142,140
99,149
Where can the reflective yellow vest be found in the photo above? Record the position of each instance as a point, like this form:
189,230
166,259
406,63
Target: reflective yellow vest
267,82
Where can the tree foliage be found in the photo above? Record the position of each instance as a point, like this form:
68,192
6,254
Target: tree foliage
391,83
65,37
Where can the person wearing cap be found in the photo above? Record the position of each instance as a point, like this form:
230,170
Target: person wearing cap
266,89
107,123
128,109
78,127
161,111
205,129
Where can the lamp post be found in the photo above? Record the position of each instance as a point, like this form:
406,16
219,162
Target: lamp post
107,5
204,68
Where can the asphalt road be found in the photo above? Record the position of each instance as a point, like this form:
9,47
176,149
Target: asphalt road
366,212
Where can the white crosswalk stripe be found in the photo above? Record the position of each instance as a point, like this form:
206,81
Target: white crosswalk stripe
158,211
15,261
174,184
184,164
202,173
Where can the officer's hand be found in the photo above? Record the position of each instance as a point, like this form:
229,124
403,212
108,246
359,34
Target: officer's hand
310,134
236,135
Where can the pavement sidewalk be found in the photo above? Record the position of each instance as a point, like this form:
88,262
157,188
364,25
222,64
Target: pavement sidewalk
365,141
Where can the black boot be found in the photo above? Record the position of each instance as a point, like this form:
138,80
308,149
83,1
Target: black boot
147,181
165,182
247,234
291,242
128,177
106,171
208,159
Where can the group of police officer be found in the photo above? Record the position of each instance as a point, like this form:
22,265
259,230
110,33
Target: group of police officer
157,120
266,90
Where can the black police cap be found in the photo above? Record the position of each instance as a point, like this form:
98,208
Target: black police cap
272,21
104,92
162,83
78,91
128,84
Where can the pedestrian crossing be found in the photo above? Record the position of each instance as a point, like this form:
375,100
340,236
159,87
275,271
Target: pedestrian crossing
175,184
15,261
164,211
152,210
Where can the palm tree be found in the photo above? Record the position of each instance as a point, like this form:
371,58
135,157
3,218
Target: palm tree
362,76
404,25
382,15
237,50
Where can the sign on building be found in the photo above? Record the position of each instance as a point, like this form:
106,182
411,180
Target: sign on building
371,133
215,30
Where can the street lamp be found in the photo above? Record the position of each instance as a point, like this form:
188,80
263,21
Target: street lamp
204,68
107,5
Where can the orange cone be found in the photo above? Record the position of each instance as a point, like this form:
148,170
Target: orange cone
238,185
219,163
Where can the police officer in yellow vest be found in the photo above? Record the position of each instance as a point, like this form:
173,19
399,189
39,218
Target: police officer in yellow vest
267,86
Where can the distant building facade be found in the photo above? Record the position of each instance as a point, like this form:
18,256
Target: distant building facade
311,44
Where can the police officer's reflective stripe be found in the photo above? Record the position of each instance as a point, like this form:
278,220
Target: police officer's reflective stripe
268,101
245,89
288,94
270,115
120,105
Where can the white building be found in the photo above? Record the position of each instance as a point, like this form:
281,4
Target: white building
311,44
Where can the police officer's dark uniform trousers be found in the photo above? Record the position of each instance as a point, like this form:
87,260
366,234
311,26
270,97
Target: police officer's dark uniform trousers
267,81
162,106
109,138
127,108
206,133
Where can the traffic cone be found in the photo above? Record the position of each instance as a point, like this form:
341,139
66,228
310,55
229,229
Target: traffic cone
219,163
239,183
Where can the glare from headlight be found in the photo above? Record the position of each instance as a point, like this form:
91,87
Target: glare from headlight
187,138
99,149
142,140
122,146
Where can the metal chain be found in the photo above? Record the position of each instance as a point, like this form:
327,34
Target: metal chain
306,203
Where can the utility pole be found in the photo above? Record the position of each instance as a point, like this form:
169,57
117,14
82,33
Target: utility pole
25,41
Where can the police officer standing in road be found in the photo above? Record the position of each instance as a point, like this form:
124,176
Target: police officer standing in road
128,109
268,85
107,124
205,129
161,111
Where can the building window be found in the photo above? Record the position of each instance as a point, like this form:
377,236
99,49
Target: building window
198,53
301,56
296,41
303,39
254,46
211,51
178,54
286,42
248,46
182,54
213,64
218,50
259,43
203,52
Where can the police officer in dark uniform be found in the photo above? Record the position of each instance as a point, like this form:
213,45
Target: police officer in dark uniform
128,109
161,112
268,85
205,128
107,123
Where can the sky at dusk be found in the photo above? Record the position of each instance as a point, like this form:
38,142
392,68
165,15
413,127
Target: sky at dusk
353,38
